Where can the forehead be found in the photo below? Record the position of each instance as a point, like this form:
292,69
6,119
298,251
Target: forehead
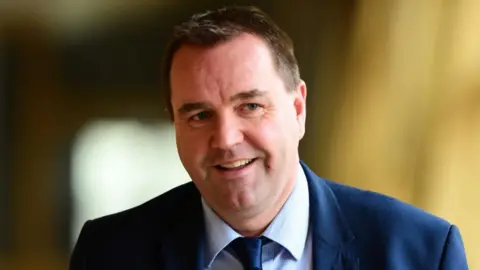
241,64
246,49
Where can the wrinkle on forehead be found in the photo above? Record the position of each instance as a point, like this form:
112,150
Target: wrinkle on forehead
223,70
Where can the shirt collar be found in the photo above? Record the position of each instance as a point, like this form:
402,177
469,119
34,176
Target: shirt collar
290,226
219,233
288,229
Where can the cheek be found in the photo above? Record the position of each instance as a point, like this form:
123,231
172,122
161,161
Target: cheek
276,135
190,148
267,135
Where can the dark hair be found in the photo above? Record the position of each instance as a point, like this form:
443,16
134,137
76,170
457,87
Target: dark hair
221,25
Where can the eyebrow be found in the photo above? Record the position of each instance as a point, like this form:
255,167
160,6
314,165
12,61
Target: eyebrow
247,95
189,107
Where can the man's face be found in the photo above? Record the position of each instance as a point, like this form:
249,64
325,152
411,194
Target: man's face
237,126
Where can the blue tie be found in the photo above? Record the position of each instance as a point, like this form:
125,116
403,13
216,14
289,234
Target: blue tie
249,251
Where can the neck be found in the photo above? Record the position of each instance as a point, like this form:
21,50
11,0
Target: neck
252,233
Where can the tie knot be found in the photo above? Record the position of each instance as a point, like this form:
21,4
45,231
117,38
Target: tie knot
249,251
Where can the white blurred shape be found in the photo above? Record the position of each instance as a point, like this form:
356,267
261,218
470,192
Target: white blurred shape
117,165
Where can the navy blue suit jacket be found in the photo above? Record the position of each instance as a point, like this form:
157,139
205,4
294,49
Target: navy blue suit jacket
351,228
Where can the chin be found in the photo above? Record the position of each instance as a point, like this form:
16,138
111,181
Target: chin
243,201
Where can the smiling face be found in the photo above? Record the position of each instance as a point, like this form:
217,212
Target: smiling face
237,127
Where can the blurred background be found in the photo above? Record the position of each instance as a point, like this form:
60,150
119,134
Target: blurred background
393,106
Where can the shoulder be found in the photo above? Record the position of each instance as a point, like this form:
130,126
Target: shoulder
391,230
124,239
155,215
362,206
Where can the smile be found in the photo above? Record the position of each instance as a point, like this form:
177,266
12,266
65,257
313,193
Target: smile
235,165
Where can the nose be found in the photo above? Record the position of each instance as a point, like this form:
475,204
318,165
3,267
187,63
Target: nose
227,133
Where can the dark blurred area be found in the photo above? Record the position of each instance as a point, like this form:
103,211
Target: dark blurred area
393,106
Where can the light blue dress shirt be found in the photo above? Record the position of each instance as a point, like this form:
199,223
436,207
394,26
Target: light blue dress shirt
291,246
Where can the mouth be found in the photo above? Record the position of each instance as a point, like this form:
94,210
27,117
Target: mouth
236,165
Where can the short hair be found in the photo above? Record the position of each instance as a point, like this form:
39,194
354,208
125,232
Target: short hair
221,25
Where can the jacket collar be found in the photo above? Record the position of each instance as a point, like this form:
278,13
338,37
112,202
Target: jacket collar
326,216
330,232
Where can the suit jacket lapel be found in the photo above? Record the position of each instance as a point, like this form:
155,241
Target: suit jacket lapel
330,232
183,247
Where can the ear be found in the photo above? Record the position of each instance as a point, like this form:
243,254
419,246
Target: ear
300,103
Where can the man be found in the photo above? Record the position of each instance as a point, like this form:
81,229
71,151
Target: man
238,106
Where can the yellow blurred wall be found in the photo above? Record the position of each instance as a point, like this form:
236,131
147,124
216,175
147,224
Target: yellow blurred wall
409,124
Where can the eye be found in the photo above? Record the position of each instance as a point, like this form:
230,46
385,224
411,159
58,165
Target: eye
251,106
251,109
201,116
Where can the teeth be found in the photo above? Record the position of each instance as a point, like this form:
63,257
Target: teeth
236,164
